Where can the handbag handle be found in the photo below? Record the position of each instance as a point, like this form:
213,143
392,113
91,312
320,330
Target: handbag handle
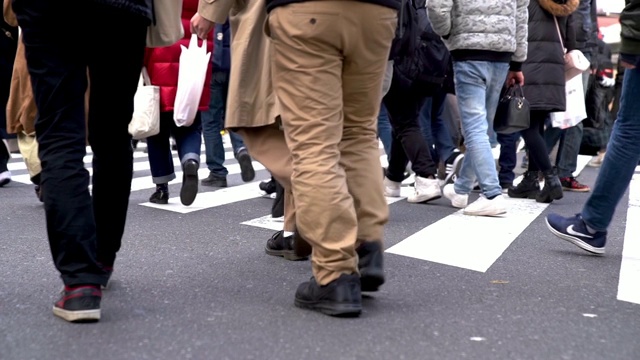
515,90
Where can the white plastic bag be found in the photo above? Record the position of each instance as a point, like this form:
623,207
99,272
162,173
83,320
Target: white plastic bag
576,110
194,62
145,121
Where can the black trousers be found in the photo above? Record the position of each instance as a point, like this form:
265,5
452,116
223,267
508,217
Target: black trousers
84,230
407,144
534,139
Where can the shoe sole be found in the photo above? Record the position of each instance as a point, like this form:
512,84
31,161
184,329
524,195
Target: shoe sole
286,254
160,202
575,190
556,195
331,309
77,315
189,188
423,199
575,241
247,172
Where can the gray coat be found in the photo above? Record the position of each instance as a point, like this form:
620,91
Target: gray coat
491,25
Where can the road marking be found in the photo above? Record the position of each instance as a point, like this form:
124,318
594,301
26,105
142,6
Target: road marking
267,222
628,287
211,199
470,242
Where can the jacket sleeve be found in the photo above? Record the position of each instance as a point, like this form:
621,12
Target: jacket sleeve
522,31
630,22
439,12
216,11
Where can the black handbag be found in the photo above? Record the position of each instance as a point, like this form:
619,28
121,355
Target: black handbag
512,114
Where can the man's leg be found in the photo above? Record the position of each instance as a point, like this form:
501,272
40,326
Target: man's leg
212,124
588,230
508,159
109,116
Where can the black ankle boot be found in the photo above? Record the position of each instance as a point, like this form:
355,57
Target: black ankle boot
529,187
161,196
552,189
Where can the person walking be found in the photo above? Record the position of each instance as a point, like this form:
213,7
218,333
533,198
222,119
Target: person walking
84,230
488,43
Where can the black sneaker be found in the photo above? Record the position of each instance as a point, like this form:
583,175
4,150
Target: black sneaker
452,166
246,168
189,188
268,187
214,180
159,197
371,265
277,209
341,297
79,304
280,245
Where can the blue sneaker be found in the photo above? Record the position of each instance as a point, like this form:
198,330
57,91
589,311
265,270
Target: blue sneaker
574,230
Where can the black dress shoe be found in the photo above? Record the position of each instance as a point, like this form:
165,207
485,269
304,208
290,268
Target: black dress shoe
341,297
371,265
280,245
214,180
159,197
189,188
247,172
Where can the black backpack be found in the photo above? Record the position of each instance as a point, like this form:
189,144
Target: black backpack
422,61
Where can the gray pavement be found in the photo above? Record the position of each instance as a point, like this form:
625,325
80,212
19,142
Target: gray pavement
199,286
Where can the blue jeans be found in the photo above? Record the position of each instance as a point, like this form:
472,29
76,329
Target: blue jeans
568,149
384,130
213,123
188,141
435,128
478,85
508,159
623,154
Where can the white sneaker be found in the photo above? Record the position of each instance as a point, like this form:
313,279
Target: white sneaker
391,188
5,176
457,200
425,190
486,207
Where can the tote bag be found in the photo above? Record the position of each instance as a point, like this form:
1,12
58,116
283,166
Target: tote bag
145,121
576,109
166,27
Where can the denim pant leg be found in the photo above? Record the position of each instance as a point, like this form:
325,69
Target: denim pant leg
442,140
508,159
623,154
568,150
79,224
384,130
478,85
213,123
189,140
236,142
159,151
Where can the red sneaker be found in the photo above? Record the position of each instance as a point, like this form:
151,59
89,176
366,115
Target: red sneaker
79,304
572,184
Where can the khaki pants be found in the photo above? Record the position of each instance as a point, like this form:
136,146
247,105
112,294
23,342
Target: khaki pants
329,60
267,145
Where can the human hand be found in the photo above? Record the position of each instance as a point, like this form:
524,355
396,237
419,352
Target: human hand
515,77
201,26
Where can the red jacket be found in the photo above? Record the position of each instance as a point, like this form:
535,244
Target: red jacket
163,63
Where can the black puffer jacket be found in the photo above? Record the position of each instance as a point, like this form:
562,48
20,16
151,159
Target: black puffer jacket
544,84
143,8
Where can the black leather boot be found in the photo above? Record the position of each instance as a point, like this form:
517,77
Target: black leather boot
552,189
529,187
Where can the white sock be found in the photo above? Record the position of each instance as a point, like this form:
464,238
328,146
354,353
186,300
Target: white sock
287,233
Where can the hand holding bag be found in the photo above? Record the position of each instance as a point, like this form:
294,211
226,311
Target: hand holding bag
146,109
192,72
512,114
166,28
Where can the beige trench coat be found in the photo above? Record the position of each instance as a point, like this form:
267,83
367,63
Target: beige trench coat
251,101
